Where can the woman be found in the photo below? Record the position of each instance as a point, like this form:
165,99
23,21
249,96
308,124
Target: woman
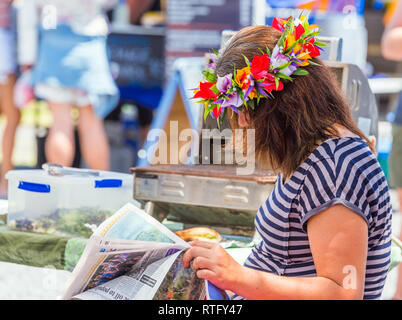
71,68
325,228
7,82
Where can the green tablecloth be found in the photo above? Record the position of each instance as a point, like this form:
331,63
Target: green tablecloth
40,250
44,250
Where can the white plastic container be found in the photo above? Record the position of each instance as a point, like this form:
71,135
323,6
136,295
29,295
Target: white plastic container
69,201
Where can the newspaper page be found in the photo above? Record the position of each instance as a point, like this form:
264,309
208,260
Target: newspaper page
128,237
133,256
130,275
132,223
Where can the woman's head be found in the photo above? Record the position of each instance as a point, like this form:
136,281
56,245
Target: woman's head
288,126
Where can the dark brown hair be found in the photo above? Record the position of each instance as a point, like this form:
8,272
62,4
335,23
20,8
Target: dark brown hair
291,125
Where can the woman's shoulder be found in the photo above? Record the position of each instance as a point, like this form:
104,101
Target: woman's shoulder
340,164
343,171
341,152
334,163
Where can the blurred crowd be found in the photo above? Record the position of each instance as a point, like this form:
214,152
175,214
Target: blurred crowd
56,51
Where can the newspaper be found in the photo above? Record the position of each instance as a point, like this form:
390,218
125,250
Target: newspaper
131,256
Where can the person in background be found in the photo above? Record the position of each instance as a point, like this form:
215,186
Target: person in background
136,10
7,81
64,43
392,50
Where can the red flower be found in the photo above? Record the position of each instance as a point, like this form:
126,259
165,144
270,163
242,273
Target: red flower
217,111
205,91
279,23
269,84
299,31
272,87
311,48
260,66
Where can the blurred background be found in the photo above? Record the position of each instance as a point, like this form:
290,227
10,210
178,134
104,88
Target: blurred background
145,37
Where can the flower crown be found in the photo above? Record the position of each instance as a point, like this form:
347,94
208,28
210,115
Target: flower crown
295,49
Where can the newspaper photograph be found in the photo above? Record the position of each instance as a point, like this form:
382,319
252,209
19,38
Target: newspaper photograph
132,256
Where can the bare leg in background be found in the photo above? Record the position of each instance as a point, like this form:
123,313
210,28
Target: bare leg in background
60,145
13,116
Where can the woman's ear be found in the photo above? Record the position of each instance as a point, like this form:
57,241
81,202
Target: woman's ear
243,120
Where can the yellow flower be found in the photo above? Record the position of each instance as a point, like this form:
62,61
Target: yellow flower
252,94
243,78
289,41
303,63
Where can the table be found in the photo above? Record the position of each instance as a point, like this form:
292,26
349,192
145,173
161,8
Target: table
59,252
40,250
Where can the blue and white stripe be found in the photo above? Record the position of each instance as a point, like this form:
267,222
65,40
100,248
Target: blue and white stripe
340,171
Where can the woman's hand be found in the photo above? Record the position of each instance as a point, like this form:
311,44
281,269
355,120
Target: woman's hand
211,262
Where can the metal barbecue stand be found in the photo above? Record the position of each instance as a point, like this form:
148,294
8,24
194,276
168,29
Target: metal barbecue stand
213,195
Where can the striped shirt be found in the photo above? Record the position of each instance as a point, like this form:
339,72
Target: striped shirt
339,171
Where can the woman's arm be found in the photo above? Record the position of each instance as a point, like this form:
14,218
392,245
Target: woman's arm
391,43
338,240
